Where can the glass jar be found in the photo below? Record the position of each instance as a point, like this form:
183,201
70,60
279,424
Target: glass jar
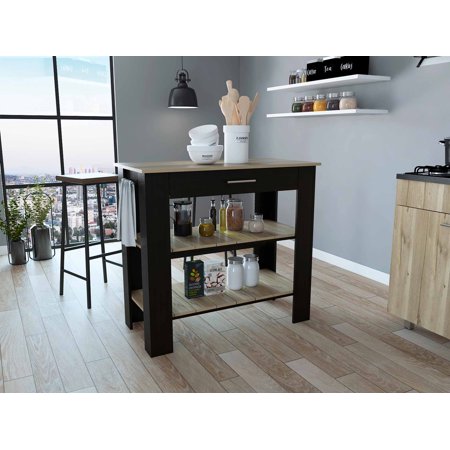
235,273
292,77
256,223
304,78
308,104
298,75
235,215
251,270
348,100
297,104
320,103
333,101
183,218
206,227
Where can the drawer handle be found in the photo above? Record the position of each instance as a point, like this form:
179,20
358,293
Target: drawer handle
242,181
447,225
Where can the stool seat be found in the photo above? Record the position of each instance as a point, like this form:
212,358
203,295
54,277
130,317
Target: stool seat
86,179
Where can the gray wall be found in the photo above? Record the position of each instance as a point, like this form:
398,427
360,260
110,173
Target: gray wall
360,156
149,131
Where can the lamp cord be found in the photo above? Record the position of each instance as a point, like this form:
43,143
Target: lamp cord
182,67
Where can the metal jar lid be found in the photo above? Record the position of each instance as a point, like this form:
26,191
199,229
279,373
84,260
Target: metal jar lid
250,257
182,202
235,260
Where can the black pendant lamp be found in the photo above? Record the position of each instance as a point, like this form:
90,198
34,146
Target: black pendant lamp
182,96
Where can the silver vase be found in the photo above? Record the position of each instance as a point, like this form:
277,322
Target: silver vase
41,242
18,254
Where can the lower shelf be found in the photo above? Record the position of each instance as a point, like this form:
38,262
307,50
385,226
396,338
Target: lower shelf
271,285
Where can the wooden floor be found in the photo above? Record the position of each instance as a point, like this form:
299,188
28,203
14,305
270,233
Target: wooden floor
50,343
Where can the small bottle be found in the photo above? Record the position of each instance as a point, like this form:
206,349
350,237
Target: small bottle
213,213
297,104
206,227
222,216
251,270
292,77
304,75
235,273
298,76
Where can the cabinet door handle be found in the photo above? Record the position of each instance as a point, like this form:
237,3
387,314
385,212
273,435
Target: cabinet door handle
447,225
242,181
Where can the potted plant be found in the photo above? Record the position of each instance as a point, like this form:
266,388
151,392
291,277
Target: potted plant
13,225
39,205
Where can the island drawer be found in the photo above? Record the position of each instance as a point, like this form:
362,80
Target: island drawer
232,181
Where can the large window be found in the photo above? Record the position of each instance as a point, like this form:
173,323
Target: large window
57,117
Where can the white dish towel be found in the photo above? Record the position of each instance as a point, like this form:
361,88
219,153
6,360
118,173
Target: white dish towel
126,227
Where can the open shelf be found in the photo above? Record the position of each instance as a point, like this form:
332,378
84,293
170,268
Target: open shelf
342,112
195,244
271,285
348,80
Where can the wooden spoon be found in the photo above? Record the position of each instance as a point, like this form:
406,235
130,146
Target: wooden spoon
227,107
253,106
235,120
233,93
243,107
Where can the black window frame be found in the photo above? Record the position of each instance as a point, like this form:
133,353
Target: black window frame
58,117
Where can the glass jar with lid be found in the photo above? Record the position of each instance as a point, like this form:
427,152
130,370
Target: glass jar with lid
333,101
256,223
235,273
297,104
308,104
292,77
235,215
251,270
348,100
320,103
206,227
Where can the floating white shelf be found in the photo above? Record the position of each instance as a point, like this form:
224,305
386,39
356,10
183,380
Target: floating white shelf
344,112
431,61
349,80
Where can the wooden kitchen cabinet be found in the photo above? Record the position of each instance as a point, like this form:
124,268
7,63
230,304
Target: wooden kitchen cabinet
420,264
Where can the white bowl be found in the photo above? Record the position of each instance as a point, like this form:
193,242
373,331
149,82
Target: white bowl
213,140
205,155
203,132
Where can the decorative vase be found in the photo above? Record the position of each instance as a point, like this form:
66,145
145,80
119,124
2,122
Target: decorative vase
41,242
18,253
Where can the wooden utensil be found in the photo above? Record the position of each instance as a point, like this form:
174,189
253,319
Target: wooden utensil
253,106
243,106
235,120
233,93
227,106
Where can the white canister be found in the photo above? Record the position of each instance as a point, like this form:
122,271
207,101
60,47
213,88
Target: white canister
235,273
235,142
251,270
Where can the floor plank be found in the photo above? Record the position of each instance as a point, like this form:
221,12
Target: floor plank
130,367
8,299
218,322
195,374
13,346
71,366
425,342
280,372
106,377
357,383
317,377
251,373
43,364
237,385
20,385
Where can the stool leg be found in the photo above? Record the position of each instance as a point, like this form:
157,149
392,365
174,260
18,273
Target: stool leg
102,237
63,238
86,247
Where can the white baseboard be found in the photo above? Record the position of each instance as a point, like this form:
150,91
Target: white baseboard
3,250
346,264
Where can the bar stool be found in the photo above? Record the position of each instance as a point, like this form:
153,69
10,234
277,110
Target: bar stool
84,180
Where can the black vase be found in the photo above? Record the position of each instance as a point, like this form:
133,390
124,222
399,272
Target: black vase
41,242
18,253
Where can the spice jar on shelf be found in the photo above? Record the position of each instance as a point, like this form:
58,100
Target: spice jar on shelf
235,273
333,101
251,270
206,227
256,223
320,103
292,77
348,100
297,104
308,104
304,76
299,76
235,215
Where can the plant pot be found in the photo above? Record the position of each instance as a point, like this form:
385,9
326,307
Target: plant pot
18,253
41,242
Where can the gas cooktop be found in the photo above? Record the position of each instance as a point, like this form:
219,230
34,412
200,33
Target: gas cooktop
432,171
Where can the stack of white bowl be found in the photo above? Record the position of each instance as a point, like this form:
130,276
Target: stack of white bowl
204,148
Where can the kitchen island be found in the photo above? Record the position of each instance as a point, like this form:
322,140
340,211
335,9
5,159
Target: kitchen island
148,291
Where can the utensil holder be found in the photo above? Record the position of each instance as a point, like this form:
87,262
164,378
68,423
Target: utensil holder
236,139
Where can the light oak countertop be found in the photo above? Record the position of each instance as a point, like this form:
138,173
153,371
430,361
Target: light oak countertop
188,166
